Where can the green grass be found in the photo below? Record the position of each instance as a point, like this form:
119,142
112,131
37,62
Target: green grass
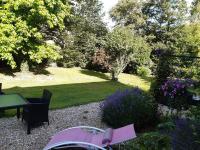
73,86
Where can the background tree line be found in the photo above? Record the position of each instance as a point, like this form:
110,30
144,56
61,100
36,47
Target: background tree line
72,33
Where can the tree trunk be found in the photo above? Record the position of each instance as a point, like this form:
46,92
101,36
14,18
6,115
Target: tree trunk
119,66
24,66
114,75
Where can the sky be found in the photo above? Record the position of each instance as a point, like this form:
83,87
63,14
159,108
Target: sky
108,4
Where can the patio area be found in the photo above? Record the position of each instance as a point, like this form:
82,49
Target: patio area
13,132
100,74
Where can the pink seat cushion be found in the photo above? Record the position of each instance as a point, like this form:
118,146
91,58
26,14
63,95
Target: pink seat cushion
119,135
72,135
111,137
107,137
123,134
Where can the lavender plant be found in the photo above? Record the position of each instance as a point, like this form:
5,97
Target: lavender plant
129,106
186,135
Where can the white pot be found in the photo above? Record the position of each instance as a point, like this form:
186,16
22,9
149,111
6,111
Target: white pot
196,97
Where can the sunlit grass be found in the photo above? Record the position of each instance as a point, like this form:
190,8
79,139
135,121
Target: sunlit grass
71,87
74,75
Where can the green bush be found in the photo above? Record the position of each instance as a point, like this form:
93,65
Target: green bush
143,71
150,141
194,113
131,68
71,58
129,106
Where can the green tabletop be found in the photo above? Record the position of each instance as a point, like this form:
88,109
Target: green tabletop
12,101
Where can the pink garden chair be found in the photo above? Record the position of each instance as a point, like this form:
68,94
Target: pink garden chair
90,138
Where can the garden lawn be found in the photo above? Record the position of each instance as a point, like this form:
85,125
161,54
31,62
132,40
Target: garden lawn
70,87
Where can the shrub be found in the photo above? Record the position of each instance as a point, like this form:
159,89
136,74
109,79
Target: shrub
131,68
163,65
129,106
174,93
186,135
143,71
71,58
150,141
194,113
100,61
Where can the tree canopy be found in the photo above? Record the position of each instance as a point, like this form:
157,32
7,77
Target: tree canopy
73,32
195,11
128,12
21,26
163,17
84,32
124,45
171,25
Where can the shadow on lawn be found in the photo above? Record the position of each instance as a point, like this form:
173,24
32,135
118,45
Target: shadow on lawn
41,72
95,74
7,72
65,95
38,71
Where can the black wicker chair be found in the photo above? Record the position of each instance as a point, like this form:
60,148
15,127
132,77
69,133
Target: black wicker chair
37,111
1,89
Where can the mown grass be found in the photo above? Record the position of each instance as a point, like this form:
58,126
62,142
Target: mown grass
73,86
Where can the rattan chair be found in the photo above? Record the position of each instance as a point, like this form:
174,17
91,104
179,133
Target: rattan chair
1,89
37,111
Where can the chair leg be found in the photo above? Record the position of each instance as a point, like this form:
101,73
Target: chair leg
18,113
22,116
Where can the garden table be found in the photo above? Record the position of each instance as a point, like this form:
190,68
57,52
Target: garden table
12,101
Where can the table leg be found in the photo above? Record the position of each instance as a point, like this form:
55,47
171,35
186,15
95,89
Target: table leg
18,113
2,112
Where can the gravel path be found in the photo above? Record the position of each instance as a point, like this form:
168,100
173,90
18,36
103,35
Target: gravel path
13,132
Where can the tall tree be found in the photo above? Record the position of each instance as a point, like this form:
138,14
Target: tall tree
128,12
163,17
188,44
86,29
191,31
21,26
124,45
195,11
189,41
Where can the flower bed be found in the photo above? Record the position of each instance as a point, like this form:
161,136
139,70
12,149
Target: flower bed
174,93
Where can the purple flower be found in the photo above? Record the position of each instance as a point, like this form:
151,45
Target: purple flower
117,98
176,87
185,135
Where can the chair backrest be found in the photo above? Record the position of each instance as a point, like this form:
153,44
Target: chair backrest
46,96
0,87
